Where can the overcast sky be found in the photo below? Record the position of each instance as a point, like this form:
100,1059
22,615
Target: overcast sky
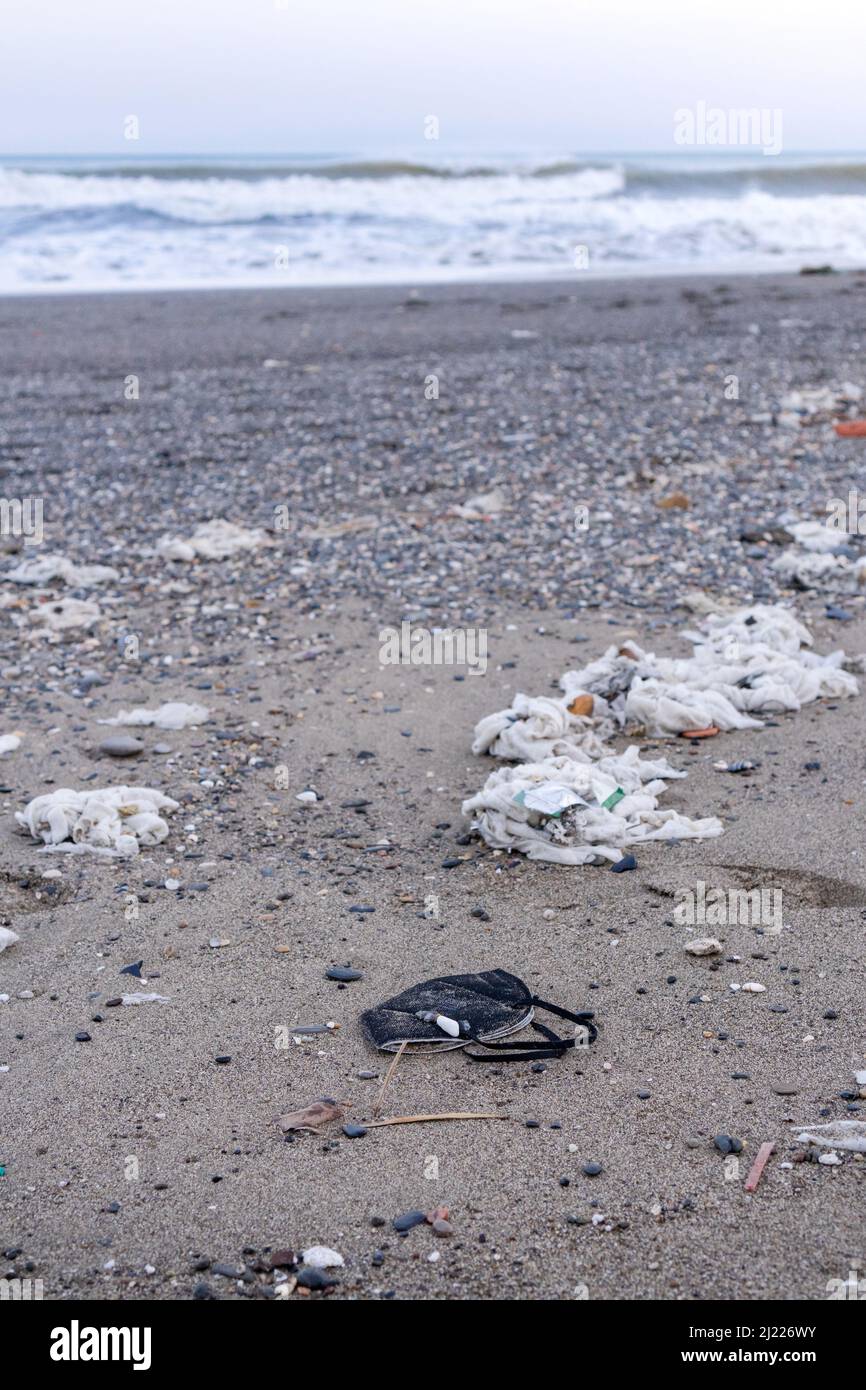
280,76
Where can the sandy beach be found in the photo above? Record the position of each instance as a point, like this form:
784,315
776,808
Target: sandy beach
137,1165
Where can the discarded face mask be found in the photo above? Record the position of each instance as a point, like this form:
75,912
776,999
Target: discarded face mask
453,1010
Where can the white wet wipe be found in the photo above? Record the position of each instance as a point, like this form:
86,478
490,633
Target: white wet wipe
602,822
175,714
46,569
63,614
114,821
745,662
212,540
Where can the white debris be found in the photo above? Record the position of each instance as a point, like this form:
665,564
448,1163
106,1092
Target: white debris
811,569
830,1158
556,804
604,820
143,999
752,987
753,660
212,540
7,938
703,946
101,820
308,797
860,1078
9,742
482,505
45,569
321,1257
176,714
837,1134
60,615
815,535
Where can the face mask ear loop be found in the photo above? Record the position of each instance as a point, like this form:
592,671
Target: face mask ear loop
585,1018
524,1052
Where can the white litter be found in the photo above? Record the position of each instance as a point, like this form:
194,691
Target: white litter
176,714
103,820
7,938
813,403
753,660
837,1134
605,818
9,742
573,799
60,615
321,1257
212,540
45,569
143,999
811,569
482,505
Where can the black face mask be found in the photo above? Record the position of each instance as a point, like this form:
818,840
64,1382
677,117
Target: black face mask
473,1009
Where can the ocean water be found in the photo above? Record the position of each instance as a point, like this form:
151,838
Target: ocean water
109,223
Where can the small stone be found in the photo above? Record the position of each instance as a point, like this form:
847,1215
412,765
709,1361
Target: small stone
830,1013
592,1170
121,746
623,865
408,1220
727,1145
283,1259
227,1271
82,1037
784,1088
354,1131
343,973
441,1227
704,946
315,1279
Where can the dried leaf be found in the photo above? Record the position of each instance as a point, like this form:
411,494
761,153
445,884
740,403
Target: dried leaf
311,1117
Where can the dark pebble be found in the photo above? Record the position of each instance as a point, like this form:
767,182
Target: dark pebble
627,862
592,1170
343,973
408,1220
315,1278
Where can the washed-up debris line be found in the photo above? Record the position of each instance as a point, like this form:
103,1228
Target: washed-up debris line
573,800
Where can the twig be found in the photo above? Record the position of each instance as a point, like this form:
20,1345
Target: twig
390,1072
447,1115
